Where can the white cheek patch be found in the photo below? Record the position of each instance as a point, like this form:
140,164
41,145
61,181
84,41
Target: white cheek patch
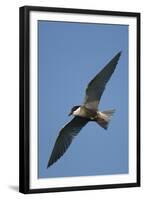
76,112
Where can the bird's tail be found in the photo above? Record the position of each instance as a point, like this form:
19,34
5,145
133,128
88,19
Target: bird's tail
104,118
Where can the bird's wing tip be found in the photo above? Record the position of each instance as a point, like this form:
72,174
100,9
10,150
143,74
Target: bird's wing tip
49,164
119,53
117,56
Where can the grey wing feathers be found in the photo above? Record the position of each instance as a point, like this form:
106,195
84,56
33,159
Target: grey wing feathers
65,138
96,87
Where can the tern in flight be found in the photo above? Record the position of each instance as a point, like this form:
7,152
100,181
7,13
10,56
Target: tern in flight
86,112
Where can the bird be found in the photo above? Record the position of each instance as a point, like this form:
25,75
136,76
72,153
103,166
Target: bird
87,112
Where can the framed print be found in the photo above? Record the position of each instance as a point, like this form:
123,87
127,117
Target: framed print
79,99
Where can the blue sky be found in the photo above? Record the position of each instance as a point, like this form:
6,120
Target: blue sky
70,55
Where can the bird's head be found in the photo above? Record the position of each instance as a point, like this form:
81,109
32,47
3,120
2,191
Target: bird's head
73,109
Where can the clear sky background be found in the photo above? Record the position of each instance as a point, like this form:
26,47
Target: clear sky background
70,55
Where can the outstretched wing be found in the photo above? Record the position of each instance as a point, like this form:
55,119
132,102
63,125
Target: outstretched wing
96,86
65,137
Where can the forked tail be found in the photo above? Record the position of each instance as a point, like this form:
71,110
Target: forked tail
104,118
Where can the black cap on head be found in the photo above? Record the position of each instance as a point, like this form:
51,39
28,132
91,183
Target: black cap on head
73,109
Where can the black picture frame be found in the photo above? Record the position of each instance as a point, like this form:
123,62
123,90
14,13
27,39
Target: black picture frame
24,123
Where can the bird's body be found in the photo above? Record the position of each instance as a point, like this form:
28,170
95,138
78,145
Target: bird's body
102,118
82,111
86,112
